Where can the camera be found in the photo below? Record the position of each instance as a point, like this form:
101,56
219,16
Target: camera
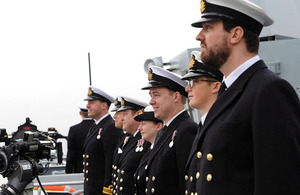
20,157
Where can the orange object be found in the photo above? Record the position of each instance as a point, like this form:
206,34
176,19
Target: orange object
57,188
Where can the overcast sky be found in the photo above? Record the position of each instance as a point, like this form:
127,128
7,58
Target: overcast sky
44,48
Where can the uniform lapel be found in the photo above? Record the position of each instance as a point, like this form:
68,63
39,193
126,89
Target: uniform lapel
229,96
94,130
131,144
166,135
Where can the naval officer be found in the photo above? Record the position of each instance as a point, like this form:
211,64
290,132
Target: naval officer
165,170
250,141
132,149
119,124
203,86
99,144
76,138
149,127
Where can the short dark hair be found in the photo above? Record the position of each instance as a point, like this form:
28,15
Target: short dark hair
251,39
182,98
85,114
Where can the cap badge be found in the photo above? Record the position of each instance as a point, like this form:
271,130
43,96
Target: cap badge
90,92
122,102
202,6
150,74
116,102
141,111
192,63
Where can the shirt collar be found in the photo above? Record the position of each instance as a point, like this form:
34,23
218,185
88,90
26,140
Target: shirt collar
203,117
135,133
238,71
98,121
169,122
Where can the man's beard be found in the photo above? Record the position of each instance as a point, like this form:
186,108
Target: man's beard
217,57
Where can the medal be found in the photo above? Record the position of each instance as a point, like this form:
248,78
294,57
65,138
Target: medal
99,133
137,149
125,141
141,145
172,141
138,146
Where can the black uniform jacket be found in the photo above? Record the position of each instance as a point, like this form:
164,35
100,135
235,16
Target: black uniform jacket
98,154
116,157
140,174
250,140
128,163
76,138
165,171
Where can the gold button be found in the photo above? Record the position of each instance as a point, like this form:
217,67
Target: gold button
83,155
209,177
196,193
121,180
115,183
83,170
153,178
209,157
87,156
122,172
138,178
87,164
186,177
113,166
199,154
83,178
197,175
87,171
118,171
152,190
186,192
121,188
83,163
87,179
191,178
146,190
192,193
115,175
147,178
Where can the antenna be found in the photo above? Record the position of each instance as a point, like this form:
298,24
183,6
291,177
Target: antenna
90,69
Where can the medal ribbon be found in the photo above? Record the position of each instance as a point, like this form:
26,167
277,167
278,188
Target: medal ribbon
99,132
174,134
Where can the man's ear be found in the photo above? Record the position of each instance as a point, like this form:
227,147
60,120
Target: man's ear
216,87
236,34
177,96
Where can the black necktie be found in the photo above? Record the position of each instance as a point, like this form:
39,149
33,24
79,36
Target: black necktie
91,129
198,134
222,88
159,134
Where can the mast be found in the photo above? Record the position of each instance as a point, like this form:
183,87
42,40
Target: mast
90,75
